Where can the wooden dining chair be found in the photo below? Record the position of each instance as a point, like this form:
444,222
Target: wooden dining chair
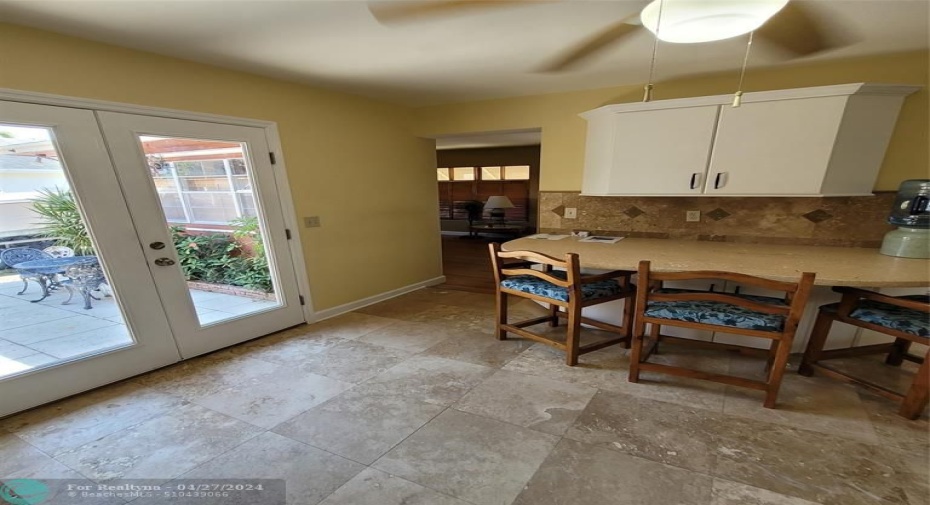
771,318
906,318
561,286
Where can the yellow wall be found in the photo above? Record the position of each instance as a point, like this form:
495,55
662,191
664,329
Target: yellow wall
352,161
563,132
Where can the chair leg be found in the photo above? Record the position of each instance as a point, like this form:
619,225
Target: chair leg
918,395
25,286
655,331
777,371
554,315
815,345
499,331
639,334
896,356
628,322
70,295
87,297
773,348
573,335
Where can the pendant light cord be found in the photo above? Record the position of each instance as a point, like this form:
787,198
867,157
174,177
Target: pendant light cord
647,95
738,98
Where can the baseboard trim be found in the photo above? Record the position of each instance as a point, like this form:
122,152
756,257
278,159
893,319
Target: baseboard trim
371,300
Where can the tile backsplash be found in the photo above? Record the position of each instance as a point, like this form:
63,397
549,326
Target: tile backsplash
856,221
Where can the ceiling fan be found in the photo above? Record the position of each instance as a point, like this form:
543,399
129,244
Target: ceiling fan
788,25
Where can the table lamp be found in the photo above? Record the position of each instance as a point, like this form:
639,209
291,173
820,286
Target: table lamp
496,205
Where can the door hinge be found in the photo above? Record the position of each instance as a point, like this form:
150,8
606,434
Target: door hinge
272,158
287,233
301,297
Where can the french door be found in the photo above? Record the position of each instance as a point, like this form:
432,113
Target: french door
203,177
172,243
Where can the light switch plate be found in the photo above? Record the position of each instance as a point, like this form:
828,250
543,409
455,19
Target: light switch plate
311,221
693,216
570,213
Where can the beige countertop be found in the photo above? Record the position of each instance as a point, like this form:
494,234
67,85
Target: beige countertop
834,266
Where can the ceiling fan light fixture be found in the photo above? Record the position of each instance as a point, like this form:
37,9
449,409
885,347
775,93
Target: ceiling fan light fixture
693,21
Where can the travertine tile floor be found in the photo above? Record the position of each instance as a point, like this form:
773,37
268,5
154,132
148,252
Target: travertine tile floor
412,401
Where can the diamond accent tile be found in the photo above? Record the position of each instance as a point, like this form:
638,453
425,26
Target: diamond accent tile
634,212
717,214
560,210
817,216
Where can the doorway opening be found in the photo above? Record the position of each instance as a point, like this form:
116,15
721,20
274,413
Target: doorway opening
488,186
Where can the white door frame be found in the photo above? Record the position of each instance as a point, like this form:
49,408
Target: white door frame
94,185
271,134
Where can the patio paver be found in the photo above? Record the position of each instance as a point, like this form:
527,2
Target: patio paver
38,334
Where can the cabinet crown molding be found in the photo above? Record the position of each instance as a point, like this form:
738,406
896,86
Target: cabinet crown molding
859,88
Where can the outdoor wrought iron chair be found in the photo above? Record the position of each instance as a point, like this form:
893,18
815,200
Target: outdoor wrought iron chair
59,251
83,277
17,255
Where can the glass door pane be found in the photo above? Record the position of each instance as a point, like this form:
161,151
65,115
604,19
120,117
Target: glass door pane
54,298
207,192
78,307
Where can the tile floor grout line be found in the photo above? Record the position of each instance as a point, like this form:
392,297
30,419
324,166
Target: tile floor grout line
52,456
372,465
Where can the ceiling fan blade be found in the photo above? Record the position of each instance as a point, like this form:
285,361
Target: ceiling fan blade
571,58
798,31
394,12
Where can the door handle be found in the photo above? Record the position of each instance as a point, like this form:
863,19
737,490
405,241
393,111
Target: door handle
164,262
695,179
157,245
717,180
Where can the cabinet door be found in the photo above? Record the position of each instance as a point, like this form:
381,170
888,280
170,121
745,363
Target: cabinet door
774,148
662,152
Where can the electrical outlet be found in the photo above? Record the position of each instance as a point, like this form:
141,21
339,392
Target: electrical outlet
693,216
311,222
571,213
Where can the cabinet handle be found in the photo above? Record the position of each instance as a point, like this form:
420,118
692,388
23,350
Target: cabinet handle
720,175
694,179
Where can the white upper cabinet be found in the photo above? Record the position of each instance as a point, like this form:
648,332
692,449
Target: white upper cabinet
782,147
684,148
825,141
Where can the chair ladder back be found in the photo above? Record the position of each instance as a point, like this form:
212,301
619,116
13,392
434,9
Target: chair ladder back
570,264
787,287
728,298
795,298
852,296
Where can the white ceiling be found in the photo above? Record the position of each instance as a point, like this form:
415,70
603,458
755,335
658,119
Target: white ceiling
474,55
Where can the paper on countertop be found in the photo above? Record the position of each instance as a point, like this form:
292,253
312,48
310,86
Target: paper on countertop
547,236
602,240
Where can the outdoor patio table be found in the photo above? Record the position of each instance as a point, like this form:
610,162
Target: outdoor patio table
46,270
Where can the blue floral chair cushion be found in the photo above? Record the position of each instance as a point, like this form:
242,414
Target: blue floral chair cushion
539,287
891,316
717,313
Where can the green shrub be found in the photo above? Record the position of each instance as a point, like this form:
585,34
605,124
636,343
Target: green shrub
219,258
60,218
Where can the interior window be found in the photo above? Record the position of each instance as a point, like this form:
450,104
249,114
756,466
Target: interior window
517,173
463,173
490,173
